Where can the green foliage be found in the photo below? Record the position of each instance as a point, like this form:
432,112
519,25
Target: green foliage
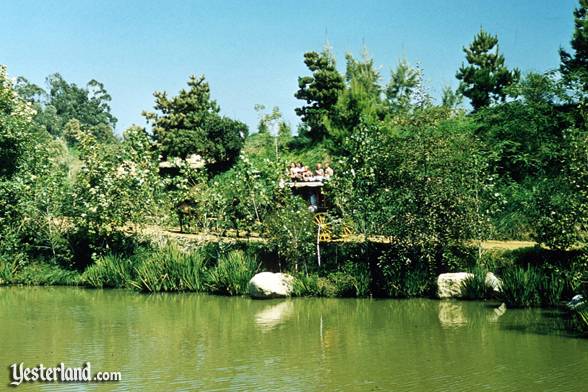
313,285
32,182
320,92
358,103
424,183
475,287
291,232
485,77
189,123
232,274
170,269
117,185
44,274
401,92
531,286
66,103
521,287
109,271
562,202
353,280
405,277
574,66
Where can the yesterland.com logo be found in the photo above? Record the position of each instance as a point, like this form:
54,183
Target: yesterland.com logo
19,374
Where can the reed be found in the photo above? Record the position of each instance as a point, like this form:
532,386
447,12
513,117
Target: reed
170,269
232,273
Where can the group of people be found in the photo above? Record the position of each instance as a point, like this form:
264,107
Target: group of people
298,172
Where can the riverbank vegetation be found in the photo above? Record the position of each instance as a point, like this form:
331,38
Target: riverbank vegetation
426,179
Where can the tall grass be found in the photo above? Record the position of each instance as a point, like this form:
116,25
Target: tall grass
232,273
475,287
109,271
551,289
170,269
44,274
521,287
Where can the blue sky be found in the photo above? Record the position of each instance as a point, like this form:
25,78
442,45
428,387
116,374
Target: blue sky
251,51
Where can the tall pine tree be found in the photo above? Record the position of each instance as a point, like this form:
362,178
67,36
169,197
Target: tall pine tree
320,91
484,78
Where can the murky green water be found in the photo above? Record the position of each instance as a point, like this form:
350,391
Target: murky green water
198,342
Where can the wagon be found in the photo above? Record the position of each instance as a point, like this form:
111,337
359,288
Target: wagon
327,225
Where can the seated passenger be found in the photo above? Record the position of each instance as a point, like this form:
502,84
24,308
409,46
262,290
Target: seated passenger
307,174
320,172
328,172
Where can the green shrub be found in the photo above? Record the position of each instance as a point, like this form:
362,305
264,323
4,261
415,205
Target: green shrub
521,287
313,285
7,269
232,274
405,278
305,285
170,269
45,274
551,289
109,271
352,281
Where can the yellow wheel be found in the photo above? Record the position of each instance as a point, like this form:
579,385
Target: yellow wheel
320,220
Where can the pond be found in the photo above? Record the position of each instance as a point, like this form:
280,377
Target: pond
200,342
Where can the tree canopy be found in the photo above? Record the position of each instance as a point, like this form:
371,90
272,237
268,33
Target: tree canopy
190,123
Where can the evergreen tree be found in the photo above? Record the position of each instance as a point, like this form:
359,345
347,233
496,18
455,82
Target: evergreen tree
574,66
320,91
400,90
485,77
359,103
190,123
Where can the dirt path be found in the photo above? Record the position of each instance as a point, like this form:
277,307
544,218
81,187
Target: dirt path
232,238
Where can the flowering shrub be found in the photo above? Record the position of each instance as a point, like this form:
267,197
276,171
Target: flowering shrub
117,185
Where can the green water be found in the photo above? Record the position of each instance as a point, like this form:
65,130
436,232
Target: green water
199,342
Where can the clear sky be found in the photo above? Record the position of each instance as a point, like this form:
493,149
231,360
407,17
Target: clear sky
252,51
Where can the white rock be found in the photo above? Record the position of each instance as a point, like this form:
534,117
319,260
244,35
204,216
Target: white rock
270,285
450,285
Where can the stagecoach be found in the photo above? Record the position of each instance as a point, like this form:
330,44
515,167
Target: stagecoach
327,226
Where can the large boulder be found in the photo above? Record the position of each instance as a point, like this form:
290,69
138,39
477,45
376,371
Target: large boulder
450,285
270,285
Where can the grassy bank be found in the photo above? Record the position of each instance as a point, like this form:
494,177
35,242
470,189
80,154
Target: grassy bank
530,276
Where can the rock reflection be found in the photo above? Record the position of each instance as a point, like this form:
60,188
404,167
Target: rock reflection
274,315
451,314
458,314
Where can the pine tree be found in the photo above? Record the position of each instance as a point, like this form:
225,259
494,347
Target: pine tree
574,67
485,77
190,123
320,91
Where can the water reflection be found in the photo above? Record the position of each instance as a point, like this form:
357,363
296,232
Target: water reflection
200,342
273,315
454,314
